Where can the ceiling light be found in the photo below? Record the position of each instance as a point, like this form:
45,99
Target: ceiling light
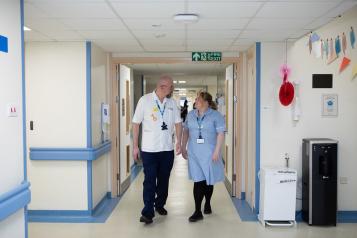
175,81
156,25
186,18
26,28
182,81
160,35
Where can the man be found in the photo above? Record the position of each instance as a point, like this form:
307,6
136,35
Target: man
159,116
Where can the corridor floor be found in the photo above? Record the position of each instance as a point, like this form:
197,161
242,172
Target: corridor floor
224,222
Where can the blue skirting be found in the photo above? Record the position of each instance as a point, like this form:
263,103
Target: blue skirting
84,154
14,200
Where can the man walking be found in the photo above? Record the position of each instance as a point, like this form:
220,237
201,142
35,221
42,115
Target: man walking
159,116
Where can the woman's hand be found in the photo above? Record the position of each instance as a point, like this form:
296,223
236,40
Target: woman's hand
215,156
184,153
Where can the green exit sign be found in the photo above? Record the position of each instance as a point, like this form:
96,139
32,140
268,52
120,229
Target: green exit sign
206,56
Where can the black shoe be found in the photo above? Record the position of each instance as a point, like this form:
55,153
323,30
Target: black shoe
207,209
145,219
196,216
162,211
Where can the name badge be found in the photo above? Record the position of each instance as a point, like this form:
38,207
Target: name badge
200,141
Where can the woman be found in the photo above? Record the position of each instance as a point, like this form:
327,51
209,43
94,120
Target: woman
204,131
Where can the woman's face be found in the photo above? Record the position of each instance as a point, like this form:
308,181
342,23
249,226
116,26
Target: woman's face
200,103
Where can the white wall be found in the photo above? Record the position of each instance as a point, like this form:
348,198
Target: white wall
279,134
56,102
99,95
11,136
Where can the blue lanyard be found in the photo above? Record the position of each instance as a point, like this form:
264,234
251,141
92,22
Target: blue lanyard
163,111
199,122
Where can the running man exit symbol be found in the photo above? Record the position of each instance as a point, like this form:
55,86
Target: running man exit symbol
206,56
3,44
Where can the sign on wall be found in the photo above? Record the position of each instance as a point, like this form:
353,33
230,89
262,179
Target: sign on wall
206,56
3,44
329,105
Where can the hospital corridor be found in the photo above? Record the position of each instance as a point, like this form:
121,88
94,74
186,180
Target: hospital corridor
178,118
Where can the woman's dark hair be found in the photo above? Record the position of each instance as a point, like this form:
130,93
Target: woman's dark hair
208,98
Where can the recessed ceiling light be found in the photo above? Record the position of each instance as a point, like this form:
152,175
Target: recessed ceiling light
156,25
175,81
186,18
182,81
26,28
160,35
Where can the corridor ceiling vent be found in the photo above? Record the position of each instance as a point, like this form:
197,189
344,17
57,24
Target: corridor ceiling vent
186,18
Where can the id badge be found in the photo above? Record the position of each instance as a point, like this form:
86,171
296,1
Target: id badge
200,141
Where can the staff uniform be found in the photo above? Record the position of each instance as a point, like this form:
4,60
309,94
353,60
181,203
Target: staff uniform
200,164
157,149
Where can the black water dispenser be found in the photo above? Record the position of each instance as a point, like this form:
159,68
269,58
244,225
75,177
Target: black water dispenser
319,181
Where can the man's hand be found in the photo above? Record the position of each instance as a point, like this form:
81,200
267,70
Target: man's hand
178,148
136,152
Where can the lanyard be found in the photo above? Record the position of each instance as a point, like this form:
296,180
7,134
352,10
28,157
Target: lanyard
163,111
199,122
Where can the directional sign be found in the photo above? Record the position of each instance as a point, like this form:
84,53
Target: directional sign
206,56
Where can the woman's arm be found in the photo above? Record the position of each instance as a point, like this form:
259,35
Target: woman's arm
185,135
217,150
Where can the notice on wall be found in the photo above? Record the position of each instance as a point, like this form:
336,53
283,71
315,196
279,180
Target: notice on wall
329,105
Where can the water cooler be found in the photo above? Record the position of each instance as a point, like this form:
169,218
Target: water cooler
319,181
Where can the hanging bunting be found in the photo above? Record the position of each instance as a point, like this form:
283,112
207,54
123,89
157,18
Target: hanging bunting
354,71
327,48
352,38
316,48
344,43
338,46
322,49
345,62
315,37
310,44
333,55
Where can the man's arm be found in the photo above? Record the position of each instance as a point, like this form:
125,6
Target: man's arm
185,135
136,151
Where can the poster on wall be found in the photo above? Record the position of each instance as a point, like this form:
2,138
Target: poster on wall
329,105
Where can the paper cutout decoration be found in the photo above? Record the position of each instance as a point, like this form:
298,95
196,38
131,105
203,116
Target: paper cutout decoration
344,43
352,38
354,71
286,92
345,62
316,48
315,37
322,48
338,45
310,44
333,55
327,48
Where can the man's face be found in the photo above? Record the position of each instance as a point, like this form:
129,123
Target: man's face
165,87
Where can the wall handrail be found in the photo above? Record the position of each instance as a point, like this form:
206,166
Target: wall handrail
70,154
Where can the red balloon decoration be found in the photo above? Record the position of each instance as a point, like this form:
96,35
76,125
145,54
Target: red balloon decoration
286,92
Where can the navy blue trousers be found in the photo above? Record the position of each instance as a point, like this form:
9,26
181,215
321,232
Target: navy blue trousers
157,169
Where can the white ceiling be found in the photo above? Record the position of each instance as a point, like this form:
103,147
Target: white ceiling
127,26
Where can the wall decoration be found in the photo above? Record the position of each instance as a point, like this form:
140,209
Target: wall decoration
286,92
329,105
354,71
4,44
352,38
316,49
345,62
344,43
332,51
